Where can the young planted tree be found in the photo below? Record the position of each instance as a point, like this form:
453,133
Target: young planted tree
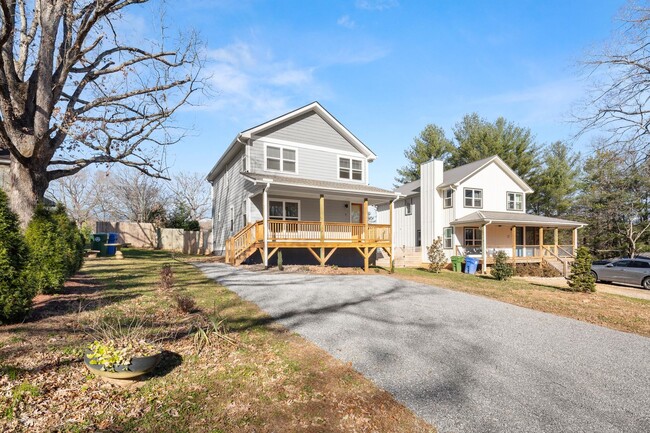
581,278
430,144
502,270
436,256
74,92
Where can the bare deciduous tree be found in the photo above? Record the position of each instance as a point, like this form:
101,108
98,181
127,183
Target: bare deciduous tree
73,94
77,193
191,191
620,89
137,197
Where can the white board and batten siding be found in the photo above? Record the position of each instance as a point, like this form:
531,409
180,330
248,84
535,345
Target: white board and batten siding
405,226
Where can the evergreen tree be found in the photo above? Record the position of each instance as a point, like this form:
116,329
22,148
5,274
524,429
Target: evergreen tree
581,278
430,144
436,255
556,182
502,270
476,138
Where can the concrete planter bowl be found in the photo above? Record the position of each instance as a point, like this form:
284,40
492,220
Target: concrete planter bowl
139,366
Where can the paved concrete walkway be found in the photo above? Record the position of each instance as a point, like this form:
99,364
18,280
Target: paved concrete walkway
463,362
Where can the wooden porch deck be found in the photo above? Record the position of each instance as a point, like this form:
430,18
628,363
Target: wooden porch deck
320,238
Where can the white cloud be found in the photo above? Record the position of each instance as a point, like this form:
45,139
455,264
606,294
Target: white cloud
377,5
346,21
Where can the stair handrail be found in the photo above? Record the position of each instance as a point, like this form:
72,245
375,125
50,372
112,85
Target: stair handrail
242,240
560,259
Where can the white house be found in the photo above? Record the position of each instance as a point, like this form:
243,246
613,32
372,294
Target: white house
477,209
299,184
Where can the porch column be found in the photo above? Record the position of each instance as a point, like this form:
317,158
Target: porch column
322,229
575,241
484,249
514,244
390,222
265,218
366,234
556,238
541,245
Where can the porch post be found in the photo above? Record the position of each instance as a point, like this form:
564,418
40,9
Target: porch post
322,229
514,245
541,245
390,222
484,249
365,231
556,238
265,217
575,241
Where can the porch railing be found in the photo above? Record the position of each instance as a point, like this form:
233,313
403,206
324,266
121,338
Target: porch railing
520,251
312,231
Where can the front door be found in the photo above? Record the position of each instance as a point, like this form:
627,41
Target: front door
355,213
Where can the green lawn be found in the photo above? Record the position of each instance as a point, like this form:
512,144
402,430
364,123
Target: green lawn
263,379
617,312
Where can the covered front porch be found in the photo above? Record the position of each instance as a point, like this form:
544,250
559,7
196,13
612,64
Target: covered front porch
320,218
524,238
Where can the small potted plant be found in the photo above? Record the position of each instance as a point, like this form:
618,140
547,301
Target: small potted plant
122,348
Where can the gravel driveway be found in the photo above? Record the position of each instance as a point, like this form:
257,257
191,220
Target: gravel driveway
462,362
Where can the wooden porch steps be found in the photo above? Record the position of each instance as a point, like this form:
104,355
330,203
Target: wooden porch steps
241,258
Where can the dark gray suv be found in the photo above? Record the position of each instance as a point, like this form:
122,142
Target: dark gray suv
627,271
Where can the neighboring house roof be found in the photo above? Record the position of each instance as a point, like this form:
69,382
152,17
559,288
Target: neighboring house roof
482,217
410,188
321,185
457,175
247,134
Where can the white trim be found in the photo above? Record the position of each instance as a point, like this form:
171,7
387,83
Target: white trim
277,141
247,155
282,148
473,198
515,201
284,210
338,169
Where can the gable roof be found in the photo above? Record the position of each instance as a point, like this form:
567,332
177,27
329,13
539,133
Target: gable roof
457,175
315,107
515,218
409,188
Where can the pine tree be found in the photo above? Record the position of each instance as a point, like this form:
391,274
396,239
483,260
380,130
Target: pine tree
502,270
430,144
581,278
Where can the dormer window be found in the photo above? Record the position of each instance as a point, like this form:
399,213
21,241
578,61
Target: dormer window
280,158
350,169
473,197
515,201
447,196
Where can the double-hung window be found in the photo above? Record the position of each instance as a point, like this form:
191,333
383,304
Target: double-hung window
448,237
473,237
408,206
284,210
350,169
447,196
515,201
281,159
473,197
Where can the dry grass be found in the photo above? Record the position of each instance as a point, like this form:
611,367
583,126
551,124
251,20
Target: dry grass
613,311
257,378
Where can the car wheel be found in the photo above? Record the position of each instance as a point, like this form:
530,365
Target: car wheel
595,275
646,283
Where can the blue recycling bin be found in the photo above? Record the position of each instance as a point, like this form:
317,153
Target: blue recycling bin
471,264
112,239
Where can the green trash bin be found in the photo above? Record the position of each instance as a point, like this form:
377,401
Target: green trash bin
457,263
99,243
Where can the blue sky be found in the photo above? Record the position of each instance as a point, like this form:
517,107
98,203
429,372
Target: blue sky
386,68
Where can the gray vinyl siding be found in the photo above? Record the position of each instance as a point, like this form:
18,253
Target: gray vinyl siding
335,210
312,163
310,128
228,189
405,227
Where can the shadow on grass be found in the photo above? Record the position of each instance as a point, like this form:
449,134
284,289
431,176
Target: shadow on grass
168,363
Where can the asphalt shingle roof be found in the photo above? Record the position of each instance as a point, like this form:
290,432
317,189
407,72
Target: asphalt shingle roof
323,184
514,217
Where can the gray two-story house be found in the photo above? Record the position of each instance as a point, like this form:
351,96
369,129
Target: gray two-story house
298,184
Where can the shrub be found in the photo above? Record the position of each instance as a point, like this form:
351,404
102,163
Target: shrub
184,303
535,270
581,278
15,291
56,249
436,255
502,270
166,279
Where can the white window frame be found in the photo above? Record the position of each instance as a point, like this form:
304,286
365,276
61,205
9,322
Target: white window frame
408,206
349,158
448,236
513,202
448,198
473,198
282,149
284,209
478,237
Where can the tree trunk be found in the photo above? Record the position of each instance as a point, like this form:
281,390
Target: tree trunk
26,189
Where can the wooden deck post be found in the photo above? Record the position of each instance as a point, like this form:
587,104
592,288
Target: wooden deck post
365,233
514,245
556,238
322,229
541,246
265,216
390,222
